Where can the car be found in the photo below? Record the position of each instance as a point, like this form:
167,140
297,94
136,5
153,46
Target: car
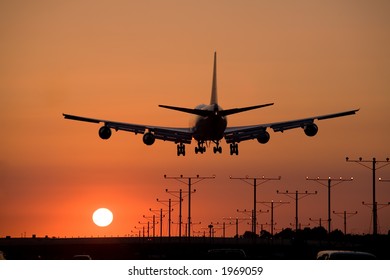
344,255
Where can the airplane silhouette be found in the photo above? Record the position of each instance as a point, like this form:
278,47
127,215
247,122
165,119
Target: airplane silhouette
210,126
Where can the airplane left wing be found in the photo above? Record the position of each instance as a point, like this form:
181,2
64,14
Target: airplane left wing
242,133
173,134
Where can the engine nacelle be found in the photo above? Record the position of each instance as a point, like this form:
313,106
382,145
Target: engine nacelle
105,132
149,138
311,130
263,137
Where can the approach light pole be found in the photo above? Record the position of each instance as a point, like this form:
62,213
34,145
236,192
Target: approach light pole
149,218
317,221
345,215
161,216
329,185
378,206
297,197
271,204
374,167
180,197
236,222
256,182
169,204
191,180
250,215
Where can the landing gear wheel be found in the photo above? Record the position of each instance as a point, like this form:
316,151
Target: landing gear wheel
200,149
233,149
181,150
217,150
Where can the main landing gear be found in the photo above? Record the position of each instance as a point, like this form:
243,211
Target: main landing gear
181,149
234,149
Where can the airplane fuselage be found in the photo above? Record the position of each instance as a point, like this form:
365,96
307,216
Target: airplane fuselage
212,127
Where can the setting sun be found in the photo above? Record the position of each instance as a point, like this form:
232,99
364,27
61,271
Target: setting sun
102,217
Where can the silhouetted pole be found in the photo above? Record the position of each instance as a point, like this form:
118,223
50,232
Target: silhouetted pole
250,215
256,181
297,197
239,220
230,219
161,216
139,231
154,223
271,205
148,223
217,228
169,214
190,183
345,215
378,206
169,201
329,186
143,230
373,168
180,206
317,221
237,227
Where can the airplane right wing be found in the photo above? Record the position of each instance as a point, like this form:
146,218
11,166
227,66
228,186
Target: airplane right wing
173,134
243,133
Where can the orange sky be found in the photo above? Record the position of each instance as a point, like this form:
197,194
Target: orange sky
119,59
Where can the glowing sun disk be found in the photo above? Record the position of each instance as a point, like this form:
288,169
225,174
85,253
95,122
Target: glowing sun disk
102,217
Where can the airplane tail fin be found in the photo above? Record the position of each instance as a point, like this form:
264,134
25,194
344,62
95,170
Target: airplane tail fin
214,101
214,96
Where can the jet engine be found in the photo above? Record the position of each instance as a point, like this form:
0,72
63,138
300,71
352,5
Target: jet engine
149,138
105,132
311,129
263,137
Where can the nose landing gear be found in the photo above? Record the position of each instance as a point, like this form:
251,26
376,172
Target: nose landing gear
201,148
217,148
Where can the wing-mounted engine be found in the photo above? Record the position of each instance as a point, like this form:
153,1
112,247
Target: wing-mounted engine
263,137
149,138
311,129
105,132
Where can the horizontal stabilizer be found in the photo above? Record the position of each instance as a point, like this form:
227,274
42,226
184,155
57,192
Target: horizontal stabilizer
198,112
205,113
239,110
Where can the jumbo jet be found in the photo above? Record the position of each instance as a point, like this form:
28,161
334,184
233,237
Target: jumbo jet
210,126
